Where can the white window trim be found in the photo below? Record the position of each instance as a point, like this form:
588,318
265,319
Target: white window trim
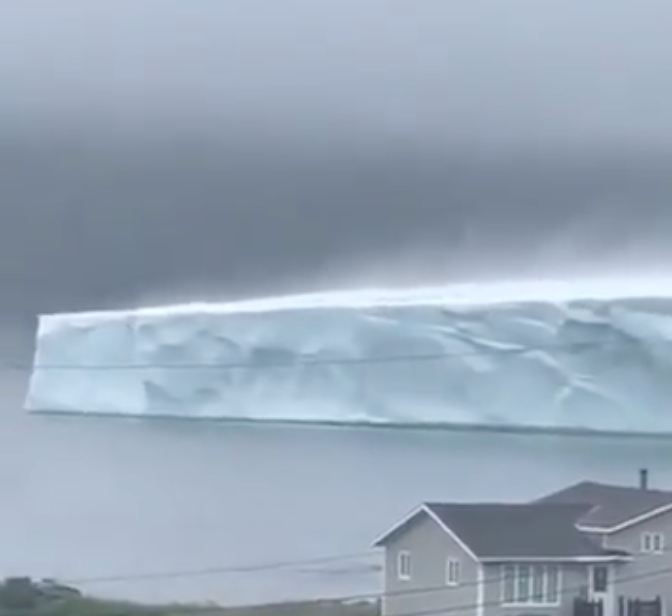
645,543
648,543
401,556
530,603
453,565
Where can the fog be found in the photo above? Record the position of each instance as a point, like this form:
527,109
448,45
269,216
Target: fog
159,150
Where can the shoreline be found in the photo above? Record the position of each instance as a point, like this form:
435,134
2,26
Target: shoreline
364,425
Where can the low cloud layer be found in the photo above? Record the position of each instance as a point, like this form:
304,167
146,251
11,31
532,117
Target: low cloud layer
153,150
83,227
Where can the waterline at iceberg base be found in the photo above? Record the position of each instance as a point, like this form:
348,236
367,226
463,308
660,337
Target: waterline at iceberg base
572,355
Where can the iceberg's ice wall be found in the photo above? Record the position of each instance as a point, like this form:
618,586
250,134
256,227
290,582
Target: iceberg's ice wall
553,355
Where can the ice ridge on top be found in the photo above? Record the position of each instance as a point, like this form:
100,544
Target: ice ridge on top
594,354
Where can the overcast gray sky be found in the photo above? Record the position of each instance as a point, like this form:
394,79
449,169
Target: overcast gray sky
155,148
433,69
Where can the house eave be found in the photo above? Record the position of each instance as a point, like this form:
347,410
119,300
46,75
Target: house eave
556,559
382,539
625,524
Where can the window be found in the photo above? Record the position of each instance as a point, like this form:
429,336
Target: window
509,581
537,584
653,543
600,579
530,584
523,584
452,572
552,586
404,565
646,542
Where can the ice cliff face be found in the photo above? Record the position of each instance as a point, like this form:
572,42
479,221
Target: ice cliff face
593,355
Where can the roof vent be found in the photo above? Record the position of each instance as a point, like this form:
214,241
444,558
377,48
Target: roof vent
643,479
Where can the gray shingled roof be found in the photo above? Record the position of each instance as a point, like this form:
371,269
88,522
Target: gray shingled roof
494,530
608,505
547,527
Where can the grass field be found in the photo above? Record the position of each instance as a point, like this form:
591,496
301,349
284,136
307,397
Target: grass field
89,607
26,598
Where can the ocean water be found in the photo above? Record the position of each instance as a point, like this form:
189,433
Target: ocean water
160,510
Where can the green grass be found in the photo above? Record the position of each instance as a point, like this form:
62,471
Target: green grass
95,607
22,597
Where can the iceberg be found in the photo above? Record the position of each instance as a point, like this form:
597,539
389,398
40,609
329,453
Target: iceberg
553,355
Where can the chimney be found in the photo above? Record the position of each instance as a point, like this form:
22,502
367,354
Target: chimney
643,479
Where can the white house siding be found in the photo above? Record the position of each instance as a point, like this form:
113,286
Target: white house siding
426,593
648,575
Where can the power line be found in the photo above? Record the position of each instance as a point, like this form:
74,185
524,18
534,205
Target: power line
327,361
222,570
448,607
564,591
571,590
294,564
467,584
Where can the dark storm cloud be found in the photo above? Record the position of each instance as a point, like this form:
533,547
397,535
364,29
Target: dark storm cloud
153,149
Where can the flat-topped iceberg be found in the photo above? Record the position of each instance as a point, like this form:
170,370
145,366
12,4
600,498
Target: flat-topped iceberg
553,355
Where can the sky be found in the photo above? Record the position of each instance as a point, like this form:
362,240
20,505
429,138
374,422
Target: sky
155,150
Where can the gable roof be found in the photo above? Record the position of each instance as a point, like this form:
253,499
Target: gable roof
497,531
611,507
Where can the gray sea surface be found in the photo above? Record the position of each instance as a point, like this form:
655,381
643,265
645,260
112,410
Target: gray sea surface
160,510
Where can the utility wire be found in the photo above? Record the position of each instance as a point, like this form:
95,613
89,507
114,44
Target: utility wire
466,584
294,564
571,590
326,361
223,570
442,609
577,589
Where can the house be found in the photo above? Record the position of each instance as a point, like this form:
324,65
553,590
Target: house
590,549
